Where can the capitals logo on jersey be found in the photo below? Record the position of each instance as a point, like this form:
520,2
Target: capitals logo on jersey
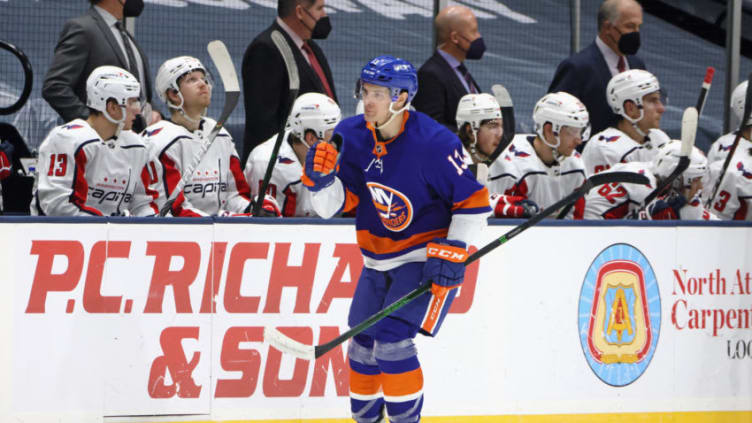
394,208
619,314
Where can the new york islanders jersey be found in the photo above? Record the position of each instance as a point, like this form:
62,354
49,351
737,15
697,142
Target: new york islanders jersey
79,174
617,200
216,185
407,190
721,147
284,185
520,172
733,200
612,146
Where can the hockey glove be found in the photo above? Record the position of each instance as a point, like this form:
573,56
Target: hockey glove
6,153
269,208
320,164
512,206
445,266
667,208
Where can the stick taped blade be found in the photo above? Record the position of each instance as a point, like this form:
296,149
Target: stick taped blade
284,343
688,131
222,60
284,49
502,95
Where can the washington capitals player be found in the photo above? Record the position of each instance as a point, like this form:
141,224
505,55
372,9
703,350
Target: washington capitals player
217,186
634,95
680,201
479,127
545,167
721,147
417,207
313,119
96,167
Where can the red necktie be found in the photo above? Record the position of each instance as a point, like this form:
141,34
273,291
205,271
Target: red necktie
317,68
621,66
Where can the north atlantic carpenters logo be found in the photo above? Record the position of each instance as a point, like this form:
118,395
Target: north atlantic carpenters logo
393,207
619,314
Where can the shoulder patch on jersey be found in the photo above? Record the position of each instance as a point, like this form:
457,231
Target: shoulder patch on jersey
726,148
153,132
73,126
285,160
612,138
577,155
518,153
393,207
740,167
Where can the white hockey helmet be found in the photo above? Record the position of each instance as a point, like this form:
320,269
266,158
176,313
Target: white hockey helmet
632,85
737,102
560,109
476,108
315,112
169,73
110,82
667,158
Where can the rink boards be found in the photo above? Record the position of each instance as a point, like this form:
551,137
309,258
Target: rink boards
567,322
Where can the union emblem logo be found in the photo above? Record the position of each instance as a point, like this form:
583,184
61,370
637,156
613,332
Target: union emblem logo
619,314
393,207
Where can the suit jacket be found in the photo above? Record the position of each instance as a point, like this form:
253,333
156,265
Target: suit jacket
266,86
85,43
439,91
585,75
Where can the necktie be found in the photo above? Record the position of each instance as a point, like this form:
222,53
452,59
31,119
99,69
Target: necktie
621,66
317,68
465,74
132,65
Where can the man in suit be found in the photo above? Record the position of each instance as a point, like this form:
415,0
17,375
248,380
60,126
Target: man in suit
95,39
443,79
586,73
265,81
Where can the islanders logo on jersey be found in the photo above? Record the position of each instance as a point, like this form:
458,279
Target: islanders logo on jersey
393,207
619,316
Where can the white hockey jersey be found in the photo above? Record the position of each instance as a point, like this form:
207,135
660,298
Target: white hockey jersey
721,147
284,185
520,172
734,198
217,184
617,200
612,146
79,174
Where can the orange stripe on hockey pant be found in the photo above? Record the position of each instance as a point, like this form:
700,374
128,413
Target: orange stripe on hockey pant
434,311
477,200
397,385
364,384
351,201
384,245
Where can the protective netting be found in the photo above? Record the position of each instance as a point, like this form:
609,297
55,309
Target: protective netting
525,41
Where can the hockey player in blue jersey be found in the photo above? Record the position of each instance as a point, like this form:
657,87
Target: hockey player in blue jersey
417,207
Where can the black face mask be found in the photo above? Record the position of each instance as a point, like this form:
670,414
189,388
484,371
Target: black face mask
629,43
321,29
476,49
133,8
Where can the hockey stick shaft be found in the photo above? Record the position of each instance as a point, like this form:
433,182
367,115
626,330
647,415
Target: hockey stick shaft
223,62
502,97
742,125
293,78
706,83
600,179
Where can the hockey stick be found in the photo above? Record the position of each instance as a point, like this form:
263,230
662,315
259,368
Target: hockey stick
292,76
309,352
742,125
704,90
223,62
688,133
507,115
